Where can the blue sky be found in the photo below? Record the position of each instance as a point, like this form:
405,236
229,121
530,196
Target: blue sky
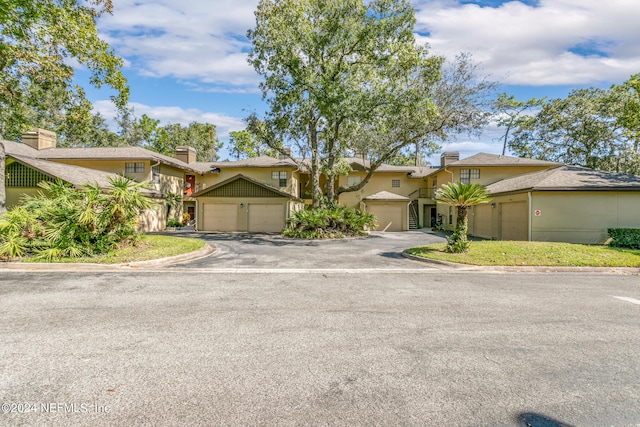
186,60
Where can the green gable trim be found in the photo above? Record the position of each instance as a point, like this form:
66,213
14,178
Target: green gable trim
241,188
18,175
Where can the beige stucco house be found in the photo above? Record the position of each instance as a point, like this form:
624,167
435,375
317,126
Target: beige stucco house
532,199
563,204
38,159
539,200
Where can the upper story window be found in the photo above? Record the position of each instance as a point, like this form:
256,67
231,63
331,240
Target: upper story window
395,183
281,176
353,180
134,167
466,175
155,174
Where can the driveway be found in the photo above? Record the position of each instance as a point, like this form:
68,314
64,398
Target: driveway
272,251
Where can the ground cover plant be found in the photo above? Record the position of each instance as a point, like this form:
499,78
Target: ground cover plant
62,221
148,247
509,253
329,222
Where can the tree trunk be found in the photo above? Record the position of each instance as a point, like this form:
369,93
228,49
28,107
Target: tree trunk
462,223
316,190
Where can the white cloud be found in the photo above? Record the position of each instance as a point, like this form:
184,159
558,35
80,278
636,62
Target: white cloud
539,45
173,114
195,39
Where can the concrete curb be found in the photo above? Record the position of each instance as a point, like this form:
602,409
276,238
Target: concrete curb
159,262
524,269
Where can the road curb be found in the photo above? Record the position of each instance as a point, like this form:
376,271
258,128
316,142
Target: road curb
208,250
525,269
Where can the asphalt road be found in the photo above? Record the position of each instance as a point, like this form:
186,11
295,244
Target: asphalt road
270,251
358,348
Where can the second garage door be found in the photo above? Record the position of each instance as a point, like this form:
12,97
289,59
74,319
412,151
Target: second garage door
219,217
389,216
513,221
266,217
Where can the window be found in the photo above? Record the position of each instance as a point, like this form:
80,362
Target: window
155,174
466,175
395,183
450,215
281,177
134,167
353,180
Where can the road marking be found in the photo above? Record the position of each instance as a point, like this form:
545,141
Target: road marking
627,299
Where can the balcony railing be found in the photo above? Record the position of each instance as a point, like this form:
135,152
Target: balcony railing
426,193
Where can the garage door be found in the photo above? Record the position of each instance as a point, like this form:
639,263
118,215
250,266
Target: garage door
513,221
481,222
266,217
219,217
389,216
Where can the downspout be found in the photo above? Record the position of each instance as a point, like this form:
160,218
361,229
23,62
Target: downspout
530,232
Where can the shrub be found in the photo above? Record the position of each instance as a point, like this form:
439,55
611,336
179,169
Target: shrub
328,223
69,222
186,218
625,237
174,223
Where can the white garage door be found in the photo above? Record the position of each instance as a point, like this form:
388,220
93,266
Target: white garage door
220,217
266,217
389,216
513,221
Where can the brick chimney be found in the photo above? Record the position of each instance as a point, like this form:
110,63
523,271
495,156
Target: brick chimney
40,139
186,154
285,153
449,157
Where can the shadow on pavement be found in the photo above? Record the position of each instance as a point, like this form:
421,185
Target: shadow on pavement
530,419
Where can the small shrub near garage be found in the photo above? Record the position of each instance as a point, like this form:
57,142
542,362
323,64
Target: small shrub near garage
625,237
329,223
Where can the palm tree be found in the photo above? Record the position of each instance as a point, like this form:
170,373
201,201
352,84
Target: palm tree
462,196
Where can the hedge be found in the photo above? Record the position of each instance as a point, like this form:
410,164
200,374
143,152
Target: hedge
625,237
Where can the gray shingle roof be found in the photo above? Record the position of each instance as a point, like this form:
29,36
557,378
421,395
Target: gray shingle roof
75,175
486,159
567,178
252,162
93,153
386,195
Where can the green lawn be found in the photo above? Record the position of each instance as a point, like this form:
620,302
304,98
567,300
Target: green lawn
495,253
152,246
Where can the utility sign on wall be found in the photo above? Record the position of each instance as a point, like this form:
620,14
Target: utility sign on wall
537,212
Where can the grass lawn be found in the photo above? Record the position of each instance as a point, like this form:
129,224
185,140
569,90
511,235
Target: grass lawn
152,247
534,254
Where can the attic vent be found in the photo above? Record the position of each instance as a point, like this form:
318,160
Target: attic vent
20,176
241,188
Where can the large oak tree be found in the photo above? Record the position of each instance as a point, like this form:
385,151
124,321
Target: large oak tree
331,68
38,40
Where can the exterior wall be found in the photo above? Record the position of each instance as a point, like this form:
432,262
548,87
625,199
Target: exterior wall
259,174
14,194
380,181
114,166
154,218
583,216
242,212
564,216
